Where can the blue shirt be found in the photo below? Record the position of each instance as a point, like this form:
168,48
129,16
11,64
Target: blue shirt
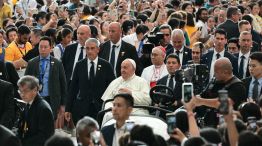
44,76
251,85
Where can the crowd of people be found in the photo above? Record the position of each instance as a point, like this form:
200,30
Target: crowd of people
65,58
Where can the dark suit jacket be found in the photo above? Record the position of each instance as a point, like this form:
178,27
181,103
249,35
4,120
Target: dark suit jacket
256,37
177,90
84,96
8,73
126,51
207,59
68,60
187,54
40,123
7,104
108,134
231,28
56,81
247,69
247,82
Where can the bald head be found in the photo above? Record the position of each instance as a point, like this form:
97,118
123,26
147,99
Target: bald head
224,64
158,55
83,33
114,32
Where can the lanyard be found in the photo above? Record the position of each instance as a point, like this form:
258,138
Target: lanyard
43,71
20,49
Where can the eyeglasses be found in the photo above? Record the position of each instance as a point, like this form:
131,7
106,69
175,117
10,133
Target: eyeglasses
24,91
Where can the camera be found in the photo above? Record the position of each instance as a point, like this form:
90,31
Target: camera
171,122
152,39
224,105
197,74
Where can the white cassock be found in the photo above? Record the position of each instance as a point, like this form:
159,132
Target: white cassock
153,74
137,85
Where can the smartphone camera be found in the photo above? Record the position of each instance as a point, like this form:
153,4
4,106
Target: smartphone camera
224,105
171,123
187,92
252,122
95,135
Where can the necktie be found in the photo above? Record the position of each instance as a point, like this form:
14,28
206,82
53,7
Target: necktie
112,58
177,53
25,125
218,55
140,47
171,82
27,110
241,67
92,71
255,90
80,57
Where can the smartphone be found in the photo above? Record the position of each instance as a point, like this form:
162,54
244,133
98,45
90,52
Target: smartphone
129,125
95,135
223,99
171,122
252,122
187,92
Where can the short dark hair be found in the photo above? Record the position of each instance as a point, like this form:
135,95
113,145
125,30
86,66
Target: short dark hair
243,22
63,33
190,20
40,15
174,56
256,56
231,11
221,31
23,29
10,30
141,28
45,38
174,23
249,109
185,4
58,140
233,40
127,97
166,26
248,18
37,32
198,13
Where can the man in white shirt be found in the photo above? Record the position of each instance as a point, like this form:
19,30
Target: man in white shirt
218,52
245,43
122,108
158,70
128,82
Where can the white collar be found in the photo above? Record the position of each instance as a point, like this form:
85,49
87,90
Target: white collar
95,60
246,55
117,44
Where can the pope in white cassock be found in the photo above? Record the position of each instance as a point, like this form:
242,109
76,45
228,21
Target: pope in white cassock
128,82
158,70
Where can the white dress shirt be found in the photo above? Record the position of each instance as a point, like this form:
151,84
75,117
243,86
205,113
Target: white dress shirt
245,61
214,58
